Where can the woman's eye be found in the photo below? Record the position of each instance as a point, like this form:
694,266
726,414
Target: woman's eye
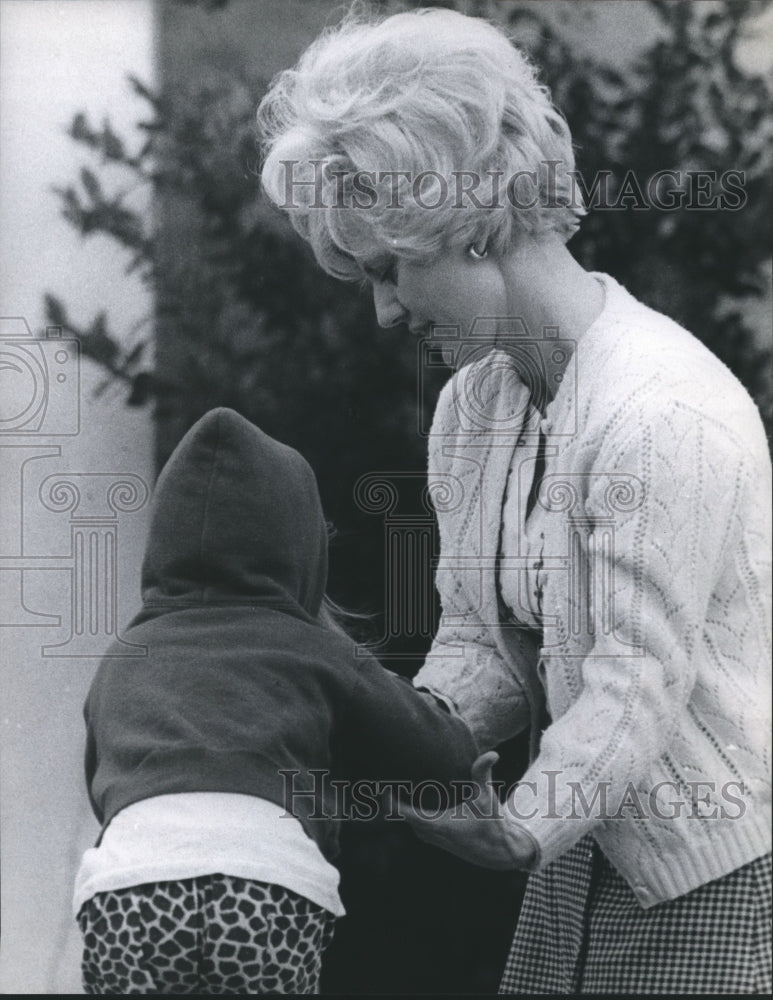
382,273
389,273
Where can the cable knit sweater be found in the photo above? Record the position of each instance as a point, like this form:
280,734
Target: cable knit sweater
649,547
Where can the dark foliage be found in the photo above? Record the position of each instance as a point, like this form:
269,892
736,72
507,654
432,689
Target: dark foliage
686,107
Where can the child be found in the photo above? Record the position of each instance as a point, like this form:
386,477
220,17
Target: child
198,752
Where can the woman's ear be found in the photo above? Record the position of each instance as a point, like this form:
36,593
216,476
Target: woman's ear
478,250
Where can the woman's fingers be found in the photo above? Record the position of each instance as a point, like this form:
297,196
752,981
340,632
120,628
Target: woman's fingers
483,767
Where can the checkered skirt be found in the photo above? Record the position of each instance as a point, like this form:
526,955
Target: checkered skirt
581,930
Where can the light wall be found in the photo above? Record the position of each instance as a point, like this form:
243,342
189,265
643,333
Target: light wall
58,57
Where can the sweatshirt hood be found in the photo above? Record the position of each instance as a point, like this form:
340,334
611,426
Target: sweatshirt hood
236,518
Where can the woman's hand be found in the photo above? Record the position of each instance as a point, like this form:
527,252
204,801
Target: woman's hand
476,831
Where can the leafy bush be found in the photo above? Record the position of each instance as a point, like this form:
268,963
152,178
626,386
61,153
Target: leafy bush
244,317
684,106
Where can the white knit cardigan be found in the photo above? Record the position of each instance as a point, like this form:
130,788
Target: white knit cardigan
653,531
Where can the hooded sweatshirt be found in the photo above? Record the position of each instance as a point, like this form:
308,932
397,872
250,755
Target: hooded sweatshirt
241,688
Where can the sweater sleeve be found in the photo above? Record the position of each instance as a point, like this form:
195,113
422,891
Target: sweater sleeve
465,664
663,566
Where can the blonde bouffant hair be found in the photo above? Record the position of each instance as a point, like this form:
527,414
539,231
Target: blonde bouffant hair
374,141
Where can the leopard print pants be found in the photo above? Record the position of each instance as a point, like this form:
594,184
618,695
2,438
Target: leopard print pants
211,934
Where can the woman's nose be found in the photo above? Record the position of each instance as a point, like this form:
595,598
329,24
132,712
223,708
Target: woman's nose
389,309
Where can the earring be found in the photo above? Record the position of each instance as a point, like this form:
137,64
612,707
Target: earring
477,254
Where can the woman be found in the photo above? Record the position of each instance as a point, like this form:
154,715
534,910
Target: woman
602,489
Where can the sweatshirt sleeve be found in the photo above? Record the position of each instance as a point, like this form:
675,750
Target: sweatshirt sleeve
663,567
90,758
396,733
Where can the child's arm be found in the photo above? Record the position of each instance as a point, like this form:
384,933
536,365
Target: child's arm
393,732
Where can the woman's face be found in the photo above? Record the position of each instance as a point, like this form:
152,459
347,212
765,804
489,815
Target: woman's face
453,288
